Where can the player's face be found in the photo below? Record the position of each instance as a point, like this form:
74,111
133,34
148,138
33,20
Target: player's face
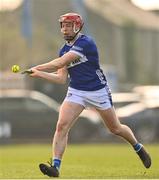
67,31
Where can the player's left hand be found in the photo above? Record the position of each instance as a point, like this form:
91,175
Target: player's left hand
35,72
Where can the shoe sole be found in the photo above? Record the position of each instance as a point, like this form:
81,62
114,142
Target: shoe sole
45,171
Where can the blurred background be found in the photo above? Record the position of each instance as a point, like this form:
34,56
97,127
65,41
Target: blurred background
127,36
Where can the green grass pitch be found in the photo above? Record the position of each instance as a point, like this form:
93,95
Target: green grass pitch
95,161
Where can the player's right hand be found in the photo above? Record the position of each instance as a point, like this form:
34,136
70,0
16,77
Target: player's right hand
35,72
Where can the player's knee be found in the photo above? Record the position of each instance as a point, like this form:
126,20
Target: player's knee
62,127
115,130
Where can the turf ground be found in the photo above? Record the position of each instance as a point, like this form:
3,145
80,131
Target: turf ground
97,161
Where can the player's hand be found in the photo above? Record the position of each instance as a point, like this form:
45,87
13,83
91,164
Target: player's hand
35,72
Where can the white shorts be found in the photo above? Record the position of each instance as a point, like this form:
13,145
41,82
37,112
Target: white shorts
100,99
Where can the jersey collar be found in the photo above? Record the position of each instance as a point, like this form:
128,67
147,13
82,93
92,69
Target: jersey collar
72,42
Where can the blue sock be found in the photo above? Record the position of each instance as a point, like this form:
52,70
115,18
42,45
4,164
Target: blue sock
137,147
56,163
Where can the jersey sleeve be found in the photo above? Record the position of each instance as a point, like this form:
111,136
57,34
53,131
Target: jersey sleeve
61,51
79,48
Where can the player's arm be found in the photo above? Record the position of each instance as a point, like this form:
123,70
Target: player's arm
58,62
59,77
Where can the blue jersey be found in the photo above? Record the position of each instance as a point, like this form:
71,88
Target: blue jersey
85,73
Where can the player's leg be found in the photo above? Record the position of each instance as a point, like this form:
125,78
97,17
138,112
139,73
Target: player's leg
68,114
112,122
